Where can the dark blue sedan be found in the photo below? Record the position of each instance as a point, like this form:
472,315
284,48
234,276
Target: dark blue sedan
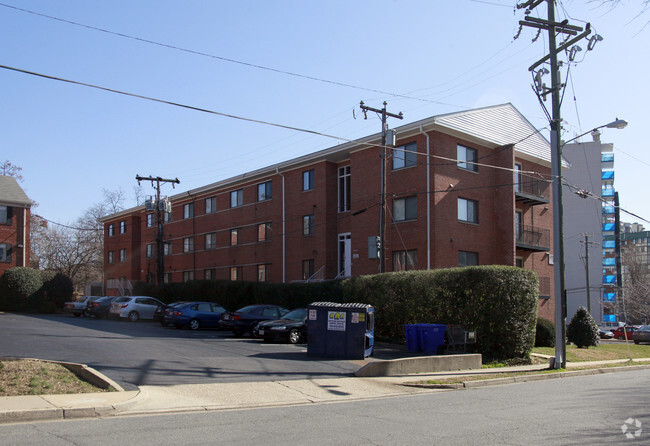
194,315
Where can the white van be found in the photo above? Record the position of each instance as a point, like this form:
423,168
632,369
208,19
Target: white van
611,326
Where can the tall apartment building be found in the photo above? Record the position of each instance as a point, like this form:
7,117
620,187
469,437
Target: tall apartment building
466,188
15,209
589,224
635,257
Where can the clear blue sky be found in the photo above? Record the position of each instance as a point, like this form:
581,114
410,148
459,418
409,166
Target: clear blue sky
74,141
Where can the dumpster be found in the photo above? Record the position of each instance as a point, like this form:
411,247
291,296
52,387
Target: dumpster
337,330
425,337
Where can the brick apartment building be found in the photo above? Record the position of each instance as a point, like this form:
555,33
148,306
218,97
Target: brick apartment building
15,209
464,188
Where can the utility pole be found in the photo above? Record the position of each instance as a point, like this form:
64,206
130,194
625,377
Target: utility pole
159,223
587,243
382,209
553,29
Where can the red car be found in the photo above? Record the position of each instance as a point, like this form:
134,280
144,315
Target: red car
622,332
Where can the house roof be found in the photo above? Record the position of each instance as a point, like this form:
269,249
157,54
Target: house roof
492,126
12,194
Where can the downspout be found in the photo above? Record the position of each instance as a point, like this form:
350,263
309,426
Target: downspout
428,195
25,236
284,259
193,235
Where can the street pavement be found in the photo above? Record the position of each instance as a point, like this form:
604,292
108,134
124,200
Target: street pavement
227,396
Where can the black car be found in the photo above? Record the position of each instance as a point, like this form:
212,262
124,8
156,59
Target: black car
292,327
246,319
99,308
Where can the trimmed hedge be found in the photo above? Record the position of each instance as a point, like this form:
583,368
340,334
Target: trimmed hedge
21,289
544,333
499,302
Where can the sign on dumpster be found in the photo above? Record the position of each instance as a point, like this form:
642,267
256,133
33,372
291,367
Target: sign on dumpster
336,320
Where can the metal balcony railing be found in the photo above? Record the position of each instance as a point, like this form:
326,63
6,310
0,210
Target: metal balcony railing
532,238
531,190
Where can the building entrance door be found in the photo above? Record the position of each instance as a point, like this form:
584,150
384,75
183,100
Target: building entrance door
345,255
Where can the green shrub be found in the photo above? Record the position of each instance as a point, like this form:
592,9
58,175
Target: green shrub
544,333
582,330
21,289
58,289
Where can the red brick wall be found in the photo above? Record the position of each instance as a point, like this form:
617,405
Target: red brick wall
16,233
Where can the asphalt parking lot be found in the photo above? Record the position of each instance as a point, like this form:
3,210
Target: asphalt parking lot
145,353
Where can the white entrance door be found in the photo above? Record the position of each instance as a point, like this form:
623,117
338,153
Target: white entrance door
345,255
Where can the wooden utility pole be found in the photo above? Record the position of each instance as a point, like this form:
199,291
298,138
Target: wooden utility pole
382,209
160,270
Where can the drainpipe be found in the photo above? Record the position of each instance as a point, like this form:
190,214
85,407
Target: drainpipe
25,236
277,170
193,235
426,135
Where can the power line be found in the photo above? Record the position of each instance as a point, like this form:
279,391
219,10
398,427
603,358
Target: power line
225,59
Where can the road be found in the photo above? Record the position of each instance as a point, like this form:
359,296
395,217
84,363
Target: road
145,353
571,411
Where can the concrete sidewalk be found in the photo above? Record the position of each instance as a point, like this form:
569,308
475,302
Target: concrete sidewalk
206,397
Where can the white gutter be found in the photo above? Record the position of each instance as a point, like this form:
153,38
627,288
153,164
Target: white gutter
24,234
428,195
284,239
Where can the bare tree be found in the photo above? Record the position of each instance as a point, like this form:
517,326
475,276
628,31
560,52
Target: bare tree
75,250
11,170
636,285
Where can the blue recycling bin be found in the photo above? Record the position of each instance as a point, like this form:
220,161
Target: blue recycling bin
336,330
425,338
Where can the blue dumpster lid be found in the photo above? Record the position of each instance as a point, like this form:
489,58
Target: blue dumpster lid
340,305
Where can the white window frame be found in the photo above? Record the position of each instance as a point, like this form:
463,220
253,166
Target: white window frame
210,205
188,210
150,220
405,208
188,244
237,198
467,210
265,191
308,180
211,240
344,189
405,156
464,161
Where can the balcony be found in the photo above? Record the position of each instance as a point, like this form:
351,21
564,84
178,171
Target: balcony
531,191
531,238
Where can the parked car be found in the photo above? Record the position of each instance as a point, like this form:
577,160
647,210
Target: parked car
194,315
292,327
245,319
78,307
622,332
605,334
99,307
134,307
641,334
159,313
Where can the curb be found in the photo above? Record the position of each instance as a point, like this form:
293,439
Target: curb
526,378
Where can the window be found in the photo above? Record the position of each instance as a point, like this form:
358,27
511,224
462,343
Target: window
167,249
150,250
264,191
405,156
167,217
188,210
150,220
111,230
188,275
123,227
210,205
405,260
466,157
4,215
210,274
167,278
263,232
308,180
519,262
5,252
122,255
261,273
234,237
211,240
344,189
467,258
467,210
111,257
236,198
517,174
405,209
308,225
235,273
188,244
307,269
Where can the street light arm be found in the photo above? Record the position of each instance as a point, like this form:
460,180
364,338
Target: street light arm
618,124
